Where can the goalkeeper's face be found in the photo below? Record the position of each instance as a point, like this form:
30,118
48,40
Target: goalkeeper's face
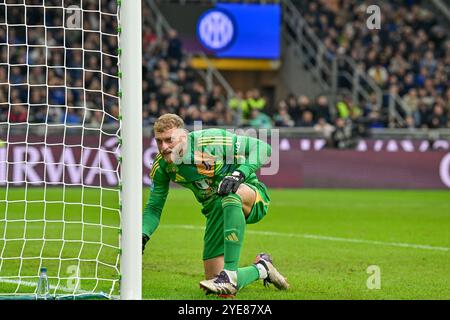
171,143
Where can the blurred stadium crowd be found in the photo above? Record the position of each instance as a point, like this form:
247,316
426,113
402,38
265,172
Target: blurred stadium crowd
409,56
56,75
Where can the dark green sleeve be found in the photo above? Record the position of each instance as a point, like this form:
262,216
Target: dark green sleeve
251,154
155,202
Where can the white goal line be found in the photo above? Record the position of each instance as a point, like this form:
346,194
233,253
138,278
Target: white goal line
52,287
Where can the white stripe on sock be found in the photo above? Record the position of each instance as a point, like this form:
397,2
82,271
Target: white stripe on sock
262,271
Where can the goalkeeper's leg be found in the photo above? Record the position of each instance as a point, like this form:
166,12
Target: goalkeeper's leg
261,269
245,275
249,205
234,227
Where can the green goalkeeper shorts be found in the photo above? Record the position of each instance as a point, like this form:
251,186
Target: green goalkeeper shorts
214,233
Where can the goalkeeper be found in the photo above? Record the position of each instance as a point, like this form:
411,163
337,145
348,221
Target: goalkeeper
219,167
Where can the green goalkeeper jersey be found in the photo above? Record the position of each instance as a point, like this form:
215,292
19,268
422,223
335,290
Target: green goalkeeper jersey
211,155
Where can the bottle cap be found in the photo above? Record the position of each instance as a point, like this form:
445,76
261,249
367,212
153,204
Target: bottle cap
43,269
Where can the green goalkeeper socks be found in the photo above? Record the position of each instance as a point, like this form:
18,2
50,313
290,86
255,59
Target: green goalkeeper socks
234,228
247,275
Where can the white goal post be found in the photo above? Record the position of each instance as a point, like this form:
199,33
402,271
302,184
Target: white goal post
131,61
71,148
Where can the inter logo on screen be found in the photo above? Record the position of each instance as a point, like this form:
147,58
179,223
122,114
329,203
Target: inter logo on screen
216,29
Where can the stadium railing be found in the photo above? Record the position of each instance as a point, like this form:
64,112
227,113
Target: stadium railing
294,132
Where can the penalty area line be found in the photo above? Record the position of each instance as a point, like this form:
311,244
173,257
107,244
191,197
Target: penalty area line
321,237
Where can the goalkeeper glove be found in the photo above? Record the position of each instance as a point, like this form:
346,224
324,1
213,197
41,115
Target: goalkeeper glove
230,183
145,239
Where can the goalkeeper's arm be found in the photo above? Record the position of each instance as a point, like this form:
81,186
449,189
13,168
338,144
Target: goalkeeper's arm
155,204
255,153
251,154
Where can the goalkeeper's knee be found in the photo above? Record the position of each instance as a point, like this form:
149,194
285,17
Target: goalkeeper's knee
231,199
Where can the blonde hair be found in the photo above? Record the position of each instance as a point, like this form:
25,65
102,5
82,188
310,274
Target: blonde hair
168,121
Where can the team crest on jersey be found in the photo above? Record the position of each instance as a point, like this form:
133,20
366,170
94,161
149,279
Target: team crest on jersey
204,163
172,168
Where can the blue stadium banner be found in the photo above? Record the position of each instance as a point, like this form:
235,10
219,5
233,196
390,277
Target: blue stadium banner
228,30
241,31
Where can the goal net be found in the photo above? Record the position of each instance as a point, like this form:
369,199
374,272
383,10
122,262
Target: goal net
60,147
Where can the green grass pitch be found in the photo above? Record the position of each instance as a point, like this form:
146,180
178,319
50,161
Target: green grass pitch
297,232
323,241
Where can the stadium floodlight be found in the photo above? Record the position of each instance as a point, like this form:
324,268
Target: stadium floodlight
70,148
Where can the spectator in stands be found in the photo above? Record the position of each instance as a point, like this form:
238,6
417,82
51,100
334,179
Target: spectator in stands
19,113
307,119
438,118
375,119
379,74
203,102
246,110
17,76
322,109
192,114
222,114
39,114
197,90
411,101
260,120
255,101
175,47
152,112
355,111
236,105
215,96
113,114
425,97
185,101
293,108
304,105
282,117
97,119
447,99
71,117
343,107
324,128
149,38
208,118
429,62
422,115
342,136
409,123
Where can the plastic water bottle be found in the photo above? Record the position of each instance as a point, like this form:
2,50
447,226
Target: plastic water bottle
43,287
